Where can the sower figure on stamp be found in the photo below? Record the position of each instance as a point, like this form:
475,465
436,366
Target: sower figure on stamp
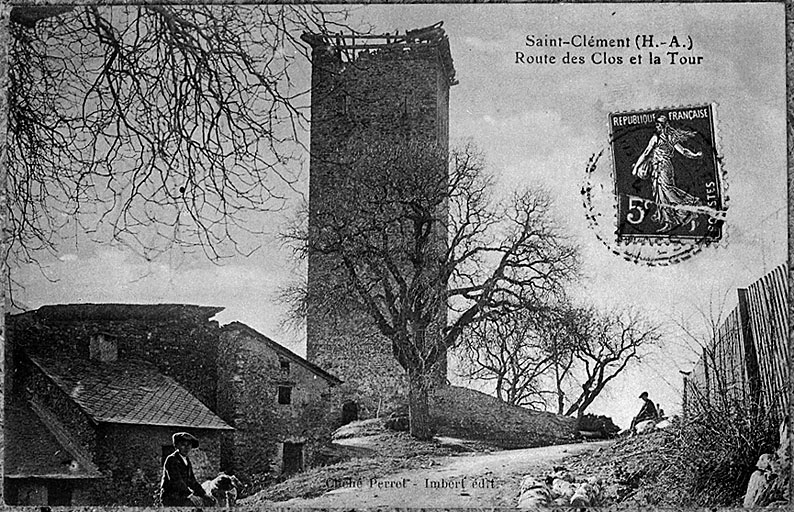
179,487
656,162
647,411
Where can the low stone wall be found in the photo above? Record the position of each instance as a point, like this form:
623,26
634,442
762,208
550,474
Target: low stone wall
463,412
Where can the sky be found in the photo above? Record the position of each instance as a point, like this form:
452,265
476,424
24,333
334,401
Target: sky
538,124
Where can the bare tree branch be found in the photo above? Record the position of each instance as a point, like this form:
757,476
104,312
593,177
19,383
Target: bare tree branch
154,126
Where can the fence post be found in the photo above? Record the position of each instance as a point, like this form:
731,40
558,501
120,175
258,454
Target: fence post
706,362
685,404
750,355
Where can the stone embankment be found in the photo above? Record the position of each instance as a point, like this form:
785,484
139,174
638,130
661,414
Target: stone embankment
769,484
559,489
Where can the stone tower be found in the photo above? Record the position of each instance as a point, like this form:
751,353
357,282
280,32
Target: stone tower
389,89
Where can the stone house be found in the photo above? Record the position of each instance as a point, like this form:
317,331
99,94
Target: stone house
98,390
264,387
179,340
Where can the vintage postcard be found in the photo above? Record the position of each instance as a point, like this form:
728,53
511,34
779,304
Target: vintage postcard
390,256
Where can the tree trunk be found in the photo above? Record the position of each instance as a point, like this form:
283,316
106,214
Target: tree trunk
558,382
560,401
419,406
499,382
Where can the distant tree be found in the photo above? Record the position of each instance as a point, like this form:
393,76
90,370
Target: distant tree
512,353
562,329
427,254
153,125
615,340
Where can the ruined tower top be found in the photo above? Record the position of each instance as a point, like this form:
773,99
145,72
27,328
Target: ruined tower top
350,48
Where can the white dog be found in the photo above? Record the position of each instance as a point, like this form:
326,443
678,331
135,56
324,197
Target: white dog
223,488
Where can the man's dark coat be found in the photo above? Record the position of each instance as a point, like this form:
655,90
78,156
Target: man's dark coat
647,412
178,482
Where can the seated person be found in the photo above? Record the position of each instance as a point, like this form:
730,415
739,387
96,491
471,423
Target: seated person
647,411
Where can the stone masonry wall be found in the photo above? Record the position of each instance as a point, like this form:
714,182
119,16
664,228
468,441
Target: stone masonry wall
179,340
468,413
250,373
132,457
392,96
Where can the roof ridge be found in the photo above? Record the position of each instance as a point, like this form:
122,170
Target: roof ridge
82,310
312,366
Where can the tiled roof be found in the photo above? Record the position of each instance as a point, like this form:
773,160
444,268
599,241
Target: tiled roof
239,326
131,392
36,450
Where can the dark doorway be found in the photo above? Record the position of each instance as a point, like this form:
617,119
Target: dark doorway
11,492
59,493
349,412
292,458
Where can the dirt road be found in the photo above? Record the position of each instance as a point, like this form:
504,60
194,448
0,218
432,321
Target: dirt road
469,480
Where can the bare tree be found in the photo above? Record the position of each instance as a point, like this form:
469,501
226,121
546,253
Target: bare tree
426,253
153,125
615,340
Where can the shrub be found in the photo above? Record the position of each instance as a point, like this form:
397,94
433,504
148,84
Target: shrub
716,449
601,424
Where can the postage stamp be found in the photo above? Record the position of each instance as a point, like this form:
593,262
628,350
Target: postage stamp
667,175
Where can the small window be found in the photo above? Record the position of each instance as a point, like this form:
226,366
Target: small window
285,395
285,367
344,104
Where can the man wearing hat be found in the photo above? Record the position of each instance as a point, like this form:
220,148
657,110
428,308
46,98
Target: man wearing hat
647,412
179,487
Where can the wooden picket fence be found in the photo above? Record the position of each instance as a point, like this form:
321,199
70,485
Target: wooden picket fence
748,359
